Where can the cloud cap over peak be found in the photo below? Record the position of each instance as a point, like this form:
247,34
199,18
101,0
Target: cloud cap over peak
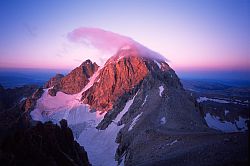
100,39
108,43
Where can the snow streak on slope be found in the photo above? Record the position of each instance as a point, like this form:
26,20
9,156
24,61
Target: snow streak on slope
145,100
134,121
100,144
92,80
125,109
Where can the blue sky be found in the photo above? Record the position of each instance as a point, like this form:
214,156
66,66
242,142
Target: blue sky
195,35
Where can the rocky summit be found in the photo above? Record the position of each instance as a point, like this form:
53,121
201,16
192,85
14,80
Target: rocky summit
75,81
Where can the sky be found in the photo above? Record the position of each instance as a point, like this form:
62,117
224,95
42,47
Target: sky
195,36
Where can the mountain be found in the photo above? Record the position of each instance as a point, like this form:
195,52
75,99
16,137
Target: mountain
133,110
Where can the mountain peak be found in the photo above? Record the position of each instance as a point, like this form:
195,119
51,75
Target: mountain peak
73,82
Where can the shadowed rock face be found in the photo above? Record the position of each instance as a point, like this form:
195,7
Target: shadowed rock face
11,97
75,81
44,144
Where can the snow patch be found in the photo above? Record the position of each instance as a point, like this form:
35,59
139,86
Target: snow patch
161,88
120,58
225,126
222,100
158,64
24,98
163,120
175,141
246,101
134,121
226,112
202,99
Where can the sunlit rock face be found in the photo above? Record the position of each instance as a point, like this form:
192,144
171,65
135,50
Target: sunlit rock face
122,73
115,79
73,82
54,81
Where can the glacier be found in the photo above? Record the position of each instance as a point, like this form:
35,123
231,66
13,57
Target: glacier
100,144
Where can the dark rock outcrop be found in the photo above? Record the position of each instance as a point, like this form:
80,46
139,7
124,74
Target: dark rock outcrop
24,142
11,97
44,144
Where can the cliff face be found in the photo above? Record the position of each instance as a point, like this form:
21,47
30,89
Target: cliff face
54,81
122,73
75,81
44,144
115,79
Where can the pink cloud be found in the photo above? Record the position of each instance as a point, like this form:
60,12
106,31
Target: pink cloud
108,43
98,38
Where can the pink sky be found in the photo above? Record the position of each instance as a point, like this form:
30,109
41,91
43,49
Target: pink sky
197,35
